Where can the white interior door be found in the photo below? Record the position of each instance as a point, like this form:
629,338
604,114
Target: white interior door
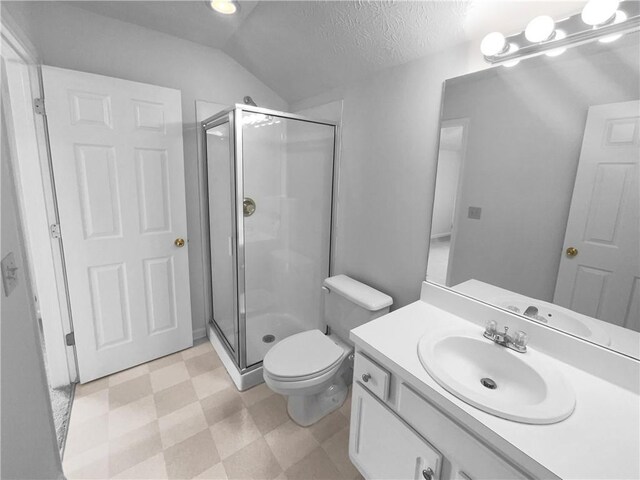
603,279
116,148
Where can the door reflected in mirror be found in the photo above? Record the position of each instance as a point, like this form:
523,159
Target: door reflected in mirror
536,205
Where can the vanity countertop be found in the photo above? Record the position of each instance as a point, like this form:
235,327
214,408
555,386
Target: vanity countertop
600,440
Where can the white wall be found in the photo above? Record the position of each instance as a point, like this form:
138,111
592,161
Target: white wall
69,37
523,145
390,128
29,446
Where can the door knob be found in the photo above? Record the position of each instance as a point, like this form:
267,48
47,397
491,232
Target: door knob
179,242
427,473
248,206
572,252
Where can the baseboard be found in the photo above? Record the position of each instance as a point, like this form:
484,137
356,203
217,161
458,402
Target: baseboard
199,333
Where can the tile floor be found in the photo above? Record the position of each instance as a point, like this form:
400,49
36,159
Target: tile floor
181,417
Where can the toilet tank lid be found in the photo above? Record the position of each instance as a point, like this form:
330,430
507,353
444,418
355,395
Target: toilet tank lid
359,293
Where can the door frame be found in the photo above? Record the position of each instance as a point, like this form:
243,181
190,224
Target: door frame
30,144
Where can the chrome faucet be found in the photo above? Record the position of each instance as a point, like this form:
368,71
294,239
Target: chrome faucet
517,342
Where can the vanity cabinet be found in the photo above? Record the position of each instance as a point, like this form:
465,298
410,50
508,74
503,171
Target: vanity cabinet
381,445
410,438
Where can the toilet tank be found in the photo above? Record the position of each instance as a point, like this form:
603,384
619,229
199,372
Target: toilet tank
349,304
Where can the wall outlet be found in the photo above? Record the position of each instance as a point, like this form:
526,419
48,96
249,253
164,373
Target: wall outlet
9,273
475,213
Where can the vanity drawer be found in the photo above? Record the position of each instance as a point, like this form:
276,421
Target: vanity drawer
371,375
470,459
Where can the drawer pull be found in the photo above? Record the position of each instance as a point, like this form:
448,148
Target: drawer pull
366,377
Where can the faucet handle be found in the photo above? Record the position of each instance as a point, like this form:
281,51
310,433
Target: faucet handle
520,339
491,327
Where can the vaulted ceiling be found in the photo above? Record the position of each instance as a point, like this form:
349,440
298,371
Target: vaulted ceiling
303,48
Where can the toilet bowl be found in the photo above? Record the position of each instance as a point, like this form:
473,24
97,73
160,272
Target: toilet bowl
317,381
315,370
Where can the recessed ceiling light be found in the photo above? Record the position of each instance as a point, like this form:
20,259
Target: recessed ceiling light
225,7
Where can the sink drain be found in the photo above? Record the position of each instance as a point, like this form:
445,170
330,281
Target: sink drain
268,338
490,384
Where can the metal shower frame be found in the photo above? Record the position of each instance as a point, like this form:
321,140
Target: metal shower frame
233,116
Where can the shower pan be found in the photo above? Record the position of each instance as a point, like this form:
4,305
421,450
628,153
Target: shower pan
270,183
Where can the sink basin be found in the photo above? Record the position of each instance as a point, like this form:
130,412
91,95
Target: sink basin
499,381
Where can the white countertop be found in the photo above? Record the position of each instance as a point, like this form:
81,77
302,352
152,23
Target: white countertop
600,440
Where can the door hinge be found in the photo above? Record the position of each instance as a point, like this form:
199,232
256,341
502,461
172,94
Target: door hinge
38,106
70,339
55,231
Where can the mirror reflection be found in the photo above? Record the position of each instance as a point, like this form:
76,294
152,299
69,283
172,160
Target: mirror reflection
536,206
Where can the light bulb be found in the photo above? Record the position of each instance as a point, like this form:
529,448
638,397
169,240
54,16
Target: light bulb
540,29
493,44
226,7
557,51
620,17
513,48
598,12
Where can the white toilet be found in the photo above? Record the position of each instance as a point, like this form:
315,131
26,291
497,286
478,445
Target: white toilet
315,370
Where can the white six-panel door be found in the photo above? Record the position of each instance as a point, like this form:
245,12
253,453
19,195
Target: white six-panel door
117,155
603,279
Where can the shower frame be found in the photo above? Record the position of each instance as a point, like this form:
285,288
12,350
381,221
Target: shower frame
233,116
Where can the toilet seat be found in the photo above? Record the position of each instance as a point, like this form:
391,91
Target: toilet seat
302,356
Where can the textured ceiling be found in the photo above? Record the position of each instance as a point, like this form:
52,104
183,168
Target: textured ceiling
303,48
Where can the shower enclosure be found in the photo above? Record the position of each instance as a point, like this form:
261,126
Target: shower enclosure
270,185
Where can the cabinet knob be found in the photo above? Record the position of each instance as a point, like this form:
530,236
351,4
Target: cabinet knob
427,474
366,377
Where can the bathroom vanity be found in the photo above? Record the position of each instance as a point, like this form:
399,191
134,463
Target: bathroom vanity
404,424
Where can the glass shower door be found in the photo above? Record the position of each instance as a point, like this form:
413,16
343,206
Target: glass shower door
222,221
287,178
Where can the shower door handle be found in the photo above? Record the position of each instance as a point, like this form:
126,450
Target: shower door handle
248,206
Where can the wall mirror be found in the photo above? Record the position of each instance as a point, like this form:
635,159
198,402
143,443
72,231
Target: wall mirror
537,206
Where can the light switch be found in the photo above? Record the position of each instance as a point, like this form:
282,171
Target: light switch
9,273
475,212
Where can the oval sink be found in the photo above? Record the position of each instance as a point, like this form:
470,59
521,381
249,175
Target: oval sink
495,379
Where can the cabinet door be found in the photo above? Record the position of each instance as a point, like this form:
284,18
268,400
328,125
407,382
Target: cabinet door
470,459
382,446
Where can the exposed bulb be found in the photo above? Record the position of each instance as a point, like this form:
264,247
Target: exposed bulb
512,49
620,17
225,7
599,12
557,51
493,44
540,29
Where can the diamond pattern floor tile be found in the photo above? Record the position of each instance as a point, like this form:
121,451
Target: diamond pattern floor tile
181,417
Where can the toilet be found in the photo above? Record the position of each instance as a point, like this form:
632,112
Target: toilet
314,369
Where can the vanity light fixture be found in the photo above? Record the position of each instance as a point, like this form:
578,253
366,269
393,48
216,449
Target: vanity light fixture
493,44
599,12
620,17
225,7
604,20
558,51
540,29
